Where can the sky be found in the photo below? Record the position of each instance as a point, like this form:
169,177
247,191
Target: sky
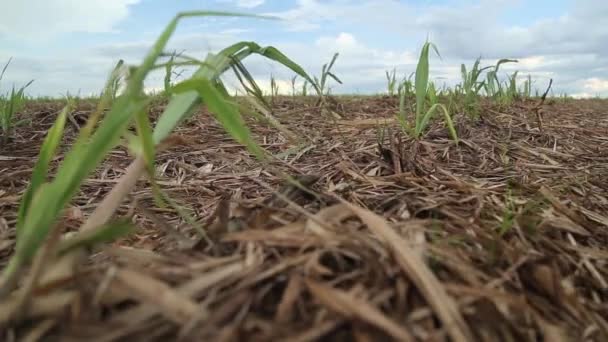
70,46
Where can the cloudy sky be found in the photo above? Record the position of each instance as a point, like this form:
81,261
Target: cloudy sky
71,45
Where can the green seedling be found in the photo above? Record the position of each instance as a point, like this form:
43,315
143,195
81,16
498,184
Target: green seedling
169,73
471,87
492,86
320,84
406,87
391,82
423,114
293,85
526,92
10,105
274,87
511,92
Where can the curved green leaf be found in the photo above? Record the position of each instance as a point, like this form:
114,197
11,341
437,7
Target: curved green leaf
40,170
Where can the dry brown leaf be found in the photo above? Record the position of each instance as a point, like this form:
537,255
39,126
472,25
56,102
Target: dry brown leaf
290,235
290,296
330,216
559,206
41,306
417,270
134,317
351,307
563,223
172,304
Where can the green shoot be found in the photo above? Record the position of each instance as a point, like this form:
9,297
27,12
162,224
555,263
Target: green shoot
526,92
406,86
471,87
432,94
391,82
320,84
249,84
511,92
274,87
168,73
293,85
424,91
493,87
10,105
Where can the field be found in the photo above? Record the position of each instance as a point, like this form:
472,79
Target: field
501,237
476,212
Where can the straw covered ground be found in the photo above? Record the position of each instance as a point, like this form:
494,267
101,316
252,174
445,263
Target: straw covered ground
503,237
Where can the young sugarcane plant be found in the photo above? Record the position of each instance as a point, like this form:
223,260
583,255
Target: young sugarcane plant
44,200
293,85
526,92
169,72
391,82
471,87
492,86
305,88
320,85
406,86
9,106
274,88
511,91
423,91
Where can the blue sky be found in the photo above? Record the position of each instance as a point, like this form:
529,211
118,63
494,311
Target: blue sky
70,45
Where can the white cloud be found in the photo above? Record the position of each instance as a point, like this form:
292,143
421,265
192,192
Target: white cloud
308,15
565,48
244,3
39,19
596,85
532,62
250,3
344,41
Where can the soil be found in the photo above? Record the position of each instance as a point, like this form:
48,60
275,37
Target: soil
502,236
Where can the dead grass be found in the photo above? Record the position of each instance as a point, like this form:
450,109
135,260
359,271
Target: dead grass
500,238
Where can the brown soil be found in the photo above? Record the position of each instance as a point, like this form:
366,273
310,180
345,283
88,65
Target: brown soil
501,237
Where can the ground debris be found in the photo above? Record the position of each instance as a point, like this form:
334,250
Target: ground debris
501,237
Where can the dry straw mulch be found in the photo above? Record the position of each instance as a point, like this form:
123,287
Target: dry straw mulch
502,237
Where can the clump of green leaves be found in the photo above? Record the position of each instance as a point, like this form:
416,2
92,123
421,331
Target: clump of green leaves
10,104
114,84
169,72
406,87
526,91
305,88
424,91
320,84
471,86
274,87
511,92
493,87
391,82
293,85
